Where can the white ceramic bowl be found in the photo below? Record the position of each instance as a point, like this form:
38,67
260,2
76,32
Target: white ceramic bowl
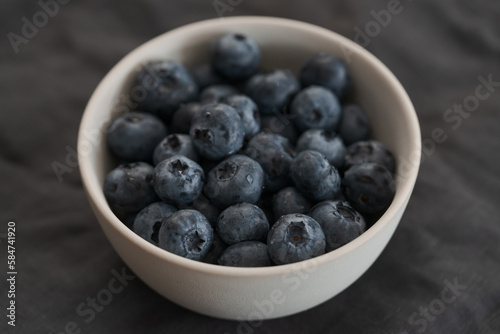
254,293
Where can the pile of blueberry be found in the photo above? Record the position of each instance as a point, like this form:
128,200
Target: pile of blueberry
232,165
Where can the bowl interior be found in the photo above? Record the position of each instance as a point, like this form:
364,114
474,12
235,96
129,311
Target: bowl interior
284,44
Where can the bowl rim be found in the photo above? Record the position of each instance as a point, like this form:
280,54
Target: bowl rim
96,196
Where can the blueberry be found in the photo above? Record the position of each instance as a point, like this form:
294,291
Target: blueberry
203,204
369,187
147,223
327,71
183,116
178,180
294,238
370,151
129,187
314,177
218,247
134,136
161,86
217,131
354,125
275,154
248,112
246,254
282,126
204,76
235,56
339,221
289,200
236,179
175,144
325,142
186,233
242,222
272,91
217,93
316,107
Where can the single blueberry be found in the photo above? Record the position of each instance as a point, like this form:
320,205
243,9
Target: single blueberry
272,91
178,180
370,151
183,116
314,177
354,125
246,254
204,76
289,200
235,56
369,187
236,179
186,233
134,136
248,112
316,107
328,71
214,253
161,86
275,154
242,222
325,142
294,238
175,144
282,126
147,223
217,93
129,187
339,221
217,131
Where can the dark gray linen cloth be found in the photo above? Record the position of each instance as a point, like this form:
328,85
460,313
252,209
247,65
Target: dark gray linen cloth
440,272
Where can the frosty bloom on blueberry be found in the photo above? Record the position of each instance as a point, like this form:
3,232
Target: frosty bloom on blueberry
134,136
258,168
217,131
161,86
237,179
339,221
186,233
129,187
178,180
313,175
295,237
235,56
316,108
